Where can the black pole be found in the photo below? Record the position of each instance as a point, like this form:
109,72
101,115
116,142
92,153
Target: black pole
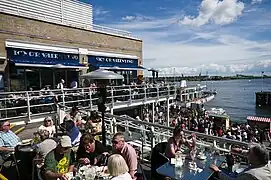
102,108
103,130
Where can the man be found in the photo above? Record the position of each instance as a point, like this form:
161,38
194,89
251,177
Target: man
127,151
259,169
59,161
74,84
61,84
8,140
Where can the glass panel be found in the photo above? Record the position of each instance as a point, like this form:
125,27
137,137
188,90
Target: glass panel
47,78
17,78
32,79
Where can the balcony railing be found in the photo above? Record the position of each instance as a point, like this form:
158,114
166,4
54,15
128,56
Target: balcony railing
31,105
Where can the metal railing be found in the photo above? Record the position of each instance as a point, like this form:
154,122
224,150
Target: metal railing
30,105
149,134
145,135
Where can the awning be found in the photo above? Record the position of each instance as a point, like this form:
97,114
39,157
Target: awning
259,119
61,65
124,68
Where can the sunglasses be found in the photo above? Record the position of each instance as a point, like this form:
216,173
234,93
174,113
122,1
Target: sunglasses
6,125
115,142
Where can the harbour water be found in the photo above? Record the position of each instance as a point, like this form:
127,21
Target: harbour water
237,97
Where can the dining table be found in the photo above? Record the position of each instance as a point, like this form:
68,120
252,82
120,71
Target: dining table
202,172
90,172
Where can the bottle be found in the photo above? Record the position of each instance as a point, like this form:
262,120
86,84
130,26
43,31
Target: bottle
178,165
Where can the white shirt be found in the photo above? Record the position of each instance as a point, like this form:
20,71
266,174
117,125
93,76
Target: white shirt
125,176
50,129
60,86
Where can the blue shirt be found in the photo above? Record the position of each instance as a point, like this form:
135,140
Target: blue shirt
8,139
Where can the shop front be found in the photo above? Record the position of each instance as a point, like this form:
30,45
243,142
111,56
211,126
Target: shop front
38,66
127,65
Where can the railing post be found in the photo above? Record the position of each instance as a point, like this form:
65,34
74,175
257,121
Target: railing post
90,99
157,87
153,112
28,108
126,126
168,112
114,124
168,90
152,137
145,93
63,99
112,96
130,94
111,127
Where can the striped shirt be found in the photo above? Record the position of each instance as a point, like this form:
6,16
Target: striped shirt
8,139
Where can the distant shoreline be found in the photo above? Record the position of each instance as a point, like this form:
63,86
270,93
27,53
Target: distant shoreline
208,78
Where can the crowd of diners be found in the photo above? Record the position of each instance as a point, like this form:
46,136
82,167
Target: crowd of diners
194,120
259,165
75,143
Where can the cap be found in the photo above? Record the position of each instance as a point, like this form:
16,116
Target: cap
65,141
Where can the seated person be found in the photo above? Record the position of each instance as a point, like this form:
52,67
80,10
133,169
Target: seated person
59,161
72,131
259,167
127,152
175,142
118,168
49,126
40,136
44,146
91,151
8,140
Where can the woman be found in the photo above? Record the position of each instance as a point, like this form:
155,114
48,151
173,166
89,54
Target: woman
48,126
175,142
91,151
118,168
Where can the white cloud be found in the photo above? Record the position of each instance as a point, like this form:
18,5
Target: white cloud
256,1
135,18
99,11
218,69
221,50
216,11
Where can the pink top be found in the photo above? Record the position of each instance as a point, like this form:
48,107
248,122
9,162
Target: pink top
130,156
172,144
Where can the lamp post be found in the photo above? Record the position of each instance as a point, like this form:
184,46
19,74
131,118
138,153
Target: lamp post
262,80
102,76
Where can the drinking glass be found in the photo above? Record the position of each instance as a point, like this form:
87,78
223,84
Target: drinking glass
193,155
212,152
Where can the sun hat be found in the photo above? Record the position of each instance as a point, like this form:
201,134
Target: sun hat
65,141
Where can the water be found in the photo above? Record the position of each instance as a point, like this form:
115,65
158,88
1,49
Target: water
237,97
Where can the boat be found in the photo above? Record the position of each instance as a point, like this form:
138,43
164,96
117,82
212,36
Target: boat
208,92
219,116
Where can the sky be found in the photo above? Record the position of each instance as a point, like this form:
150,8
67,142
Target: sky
214,37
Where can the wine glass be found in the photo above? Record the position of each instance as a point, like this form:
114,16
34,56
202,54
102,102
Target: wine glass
193,155
213,150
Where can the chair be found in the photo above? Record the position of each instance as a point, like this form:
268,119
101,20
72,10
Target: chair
158,159
12,159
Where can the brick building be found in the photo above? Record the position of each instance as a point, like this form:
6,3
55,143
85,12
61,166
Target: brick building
39,47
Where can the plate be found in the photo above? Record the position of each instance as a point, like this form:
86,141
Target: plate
201,157
26,141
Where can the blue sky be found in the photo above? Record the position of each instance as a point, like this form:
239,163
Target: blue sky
192,36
